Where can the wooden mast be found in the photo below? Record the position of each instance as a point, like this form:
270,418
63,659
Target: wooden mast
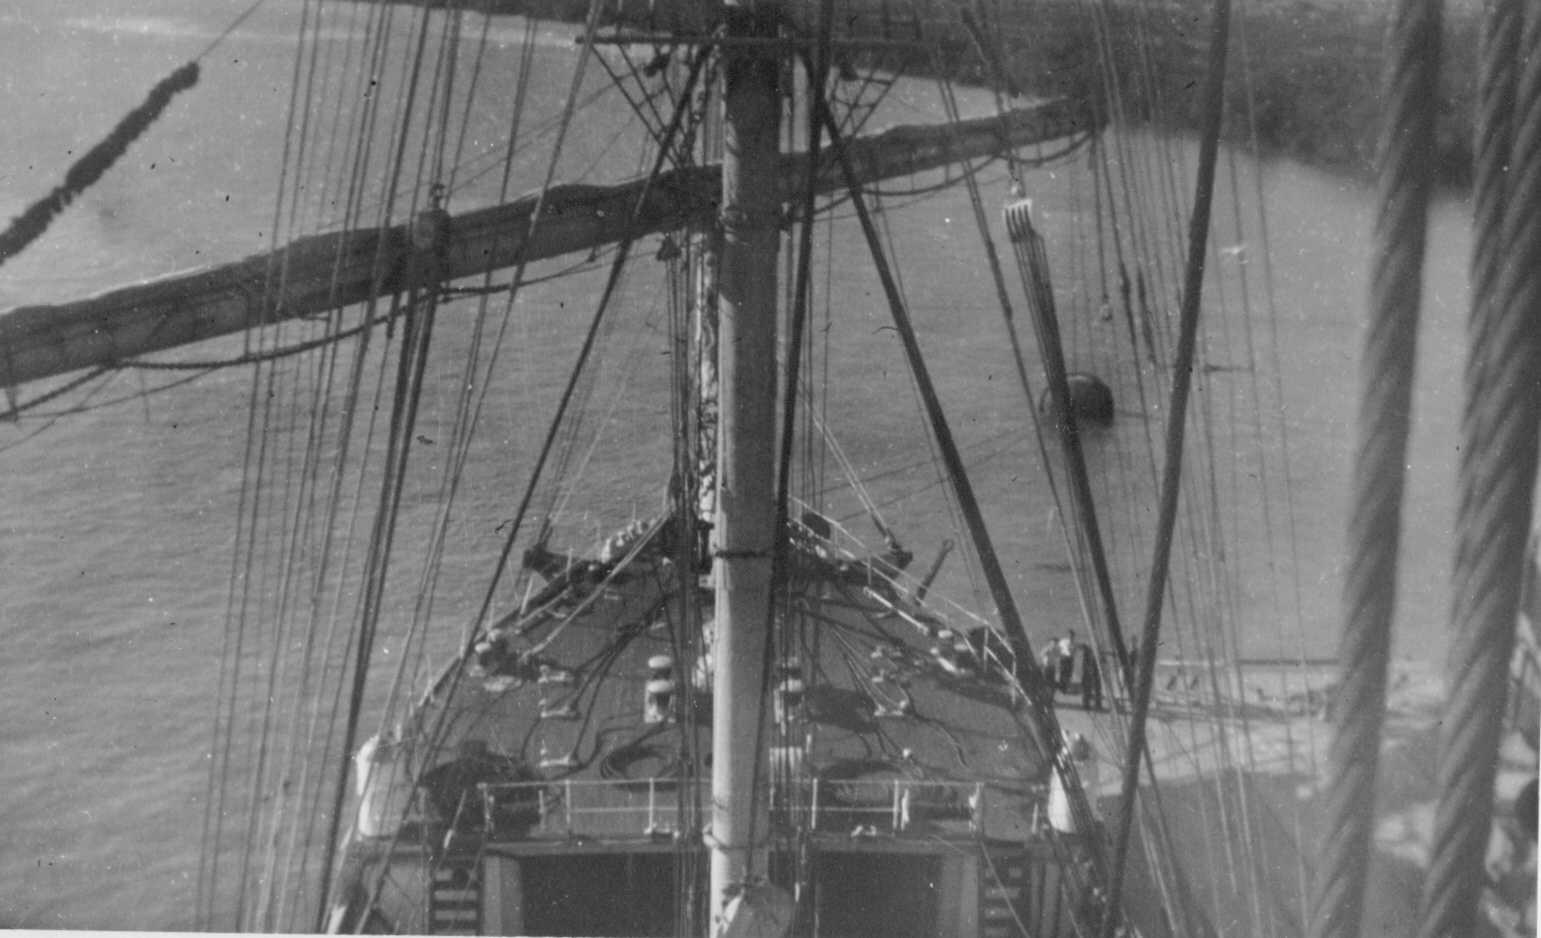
744,536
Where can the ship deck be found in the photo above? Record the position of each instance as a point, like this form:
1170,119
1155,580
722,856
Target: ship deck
894,739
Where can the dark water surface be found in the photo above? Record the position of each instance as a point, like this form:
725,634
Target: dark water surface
117,525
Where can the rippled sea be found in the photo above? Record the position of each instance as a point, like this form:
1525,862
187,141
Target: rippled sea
117,520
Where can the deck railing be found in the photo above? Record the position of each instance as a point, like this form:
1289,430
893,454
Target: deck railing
652,807
583,807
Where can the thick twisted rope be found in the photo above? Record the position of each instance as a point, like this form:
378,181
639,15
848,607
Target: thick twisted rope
1406,174
1497,78
1499,438
30,224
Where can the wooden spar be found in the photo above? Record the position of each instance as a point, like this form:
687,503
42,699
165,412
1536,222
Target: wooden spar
744,535
329,271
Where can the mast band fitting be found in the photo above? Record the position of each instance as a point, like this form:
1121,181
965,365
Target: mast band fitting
740,219
723,554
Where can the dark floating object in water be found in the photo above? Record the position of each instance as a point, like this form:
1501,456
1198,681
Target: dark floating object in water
1091,401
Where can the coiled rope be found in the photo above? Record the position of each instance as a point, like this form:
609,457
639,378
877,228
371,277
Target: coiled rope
1406,175
32,223
1499,438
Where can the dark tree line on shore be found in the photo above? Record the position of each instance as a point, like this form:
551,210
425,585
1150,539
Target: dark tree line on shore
1307,72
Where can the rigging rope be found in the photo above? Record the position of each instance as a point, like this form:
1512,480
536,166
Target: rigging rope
1286,481
1042,723
1406,176
1000,591
238,610
997,275
267,812
376,30
1213,103
404,410
225,33
1498,471
452,676
622,251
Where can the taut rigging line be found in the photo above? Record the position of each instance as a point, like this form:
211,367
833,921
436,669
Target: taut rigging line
1182,379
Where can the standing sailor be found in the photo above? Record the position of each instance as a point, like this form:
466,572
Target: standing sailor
1049,658
1091,677
1067,647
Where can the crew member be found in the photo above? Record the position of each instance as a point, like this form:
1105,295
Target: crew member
1049,658
1091,678
1067,647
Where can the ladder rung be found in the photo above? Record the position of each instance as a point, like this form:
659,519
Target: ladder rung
455,895
455,915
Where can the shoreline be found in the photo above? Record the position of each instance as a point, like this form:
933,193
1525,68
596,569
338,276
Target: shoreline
1308,72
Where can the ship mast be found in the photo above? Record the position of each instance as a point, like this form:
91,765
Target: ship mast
743,534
